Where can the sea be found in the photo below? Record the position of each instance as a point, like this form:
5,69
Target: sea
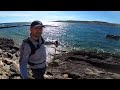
71,36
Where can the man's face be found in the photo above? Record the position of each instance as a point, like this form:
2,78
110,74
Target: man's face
36,31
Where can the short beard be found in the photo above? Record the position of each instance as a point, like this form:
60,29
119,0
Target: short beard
36,37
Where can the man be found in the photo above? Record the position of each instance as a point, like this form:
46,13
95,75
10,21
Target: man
33,53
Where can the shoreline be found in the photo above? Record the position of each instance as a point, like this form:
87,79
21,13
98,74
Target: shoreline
64,65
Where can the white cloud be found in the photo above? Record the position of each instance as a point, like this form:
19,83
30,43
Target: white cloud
37,15
27,13
14,15
115,11
60,17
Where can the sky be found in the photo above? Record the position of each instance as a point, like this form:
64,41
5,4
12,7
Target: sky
29,16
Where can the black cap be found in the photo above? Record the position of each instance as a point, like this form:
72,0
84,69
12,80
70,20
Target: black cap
37,23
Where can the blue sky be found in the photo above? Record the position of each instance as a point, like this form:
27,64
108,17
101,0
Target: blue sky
26,16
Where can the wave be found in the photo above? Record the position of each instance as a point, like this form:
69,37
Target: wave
95,50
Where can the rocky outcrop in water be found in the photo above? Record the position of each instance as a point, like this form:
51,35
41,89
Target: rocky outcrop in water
114,37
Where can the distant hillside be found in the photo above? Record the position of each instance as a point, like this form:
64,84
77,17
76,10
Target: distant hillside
90,22
14,24
19,24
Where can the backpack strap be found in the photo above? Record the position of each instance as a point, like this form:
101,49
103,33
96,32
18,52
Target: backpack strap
43,41
33,48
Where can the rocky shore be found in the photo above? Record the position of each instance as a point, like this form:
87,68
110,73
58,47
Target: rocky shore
67,65
9,55
84,65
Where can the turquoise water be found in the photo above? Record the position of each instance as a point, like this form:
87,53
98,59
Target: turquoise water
72,36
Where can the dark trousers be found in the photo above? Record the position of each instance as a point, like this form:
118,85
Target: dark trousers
38,73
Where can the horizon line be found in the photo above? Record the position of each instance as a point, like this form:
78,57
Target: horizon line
60,20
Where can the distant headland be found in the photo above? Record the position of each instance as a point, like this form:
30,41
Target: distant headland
90,22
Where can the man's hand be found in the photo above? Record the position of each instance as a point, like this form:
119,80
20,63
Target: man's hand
56,43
